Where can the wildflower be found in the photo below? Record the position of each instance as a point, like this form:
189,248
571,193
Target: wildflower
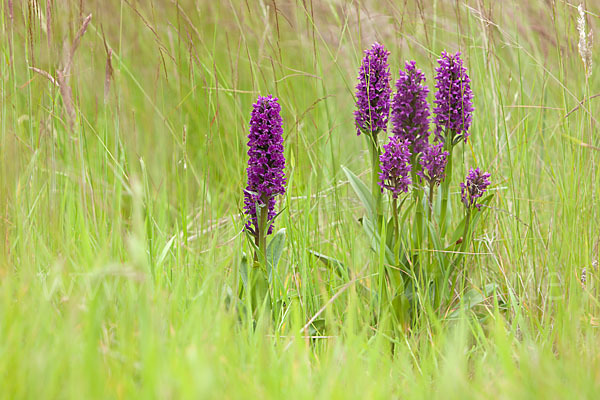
433,163
410,111
373,91
266,162
453,98
395,167
474,187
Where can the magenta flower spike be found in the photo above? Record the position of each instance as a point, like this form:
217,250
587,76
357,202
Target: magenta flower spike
395,167
373,91
266,162
474,187
433,164
410,110
453,99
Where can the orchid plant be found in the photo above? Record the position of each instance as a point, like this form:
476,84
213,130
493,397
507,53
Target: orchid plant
266,180
422,255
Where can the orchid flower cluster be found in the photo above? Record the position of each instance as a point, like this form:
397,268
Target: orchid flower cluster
411,116
266,180
410,168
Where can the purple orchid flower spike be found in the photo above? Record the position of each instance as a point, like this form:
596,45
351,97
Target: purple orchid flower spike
395,167
433,164
373,91
410,110
453,99
474,187
266,162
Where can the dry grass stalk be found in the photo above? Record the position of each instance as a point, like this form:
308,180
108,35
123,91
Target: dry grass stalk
67,95
585,42
108,70
63,74
49,22
45,75
68,56
36,9
10,18
108,74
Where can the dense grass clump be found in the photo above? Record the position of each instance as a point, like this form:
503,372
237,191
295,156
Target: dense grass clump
124,248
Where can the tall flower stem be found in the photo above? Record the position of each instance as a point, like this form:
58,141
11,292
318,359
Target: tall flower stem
433,166
262,235
259,281
376,169
466,232
266,180
395,212
446,183
461,250
417,197
430,201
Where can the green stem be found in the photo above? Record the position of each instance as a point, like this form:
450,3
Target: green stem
259,288
459,257
375,188
465,238
446,183
417,196
430,201
262,237
430,219
396,230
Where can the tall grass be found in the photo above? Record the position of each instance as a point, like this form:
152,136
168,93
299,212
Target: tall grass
121,234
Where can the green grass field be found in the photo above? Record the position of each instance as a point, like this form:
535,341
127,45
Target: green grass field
122,168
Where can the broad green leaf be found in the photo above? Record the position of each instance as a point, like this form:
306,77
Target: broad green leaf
339,269
486,200
458,233
274,251
475,215
437,245
474,297
164,252
376,241
406,214
390,233
362,192
317,327
244,270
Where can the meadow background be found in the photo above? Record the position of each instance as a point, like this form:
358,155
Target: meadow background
122,165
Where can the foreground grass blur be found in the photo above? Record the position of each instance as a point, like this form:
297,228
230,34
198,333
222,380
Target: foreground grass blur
121,173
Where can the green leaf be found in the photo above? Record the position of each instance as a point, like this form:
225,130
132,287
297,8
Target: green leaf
390,233
362,192
458,232
486,199
164,252
274,251
244,270
340,269
474,297
317,327
475,215
376,241
406,214
437,245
